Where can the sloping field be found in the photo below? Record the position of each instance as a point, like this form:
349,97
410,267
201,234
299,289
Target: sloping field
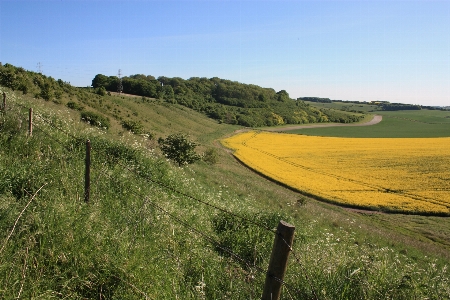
391,174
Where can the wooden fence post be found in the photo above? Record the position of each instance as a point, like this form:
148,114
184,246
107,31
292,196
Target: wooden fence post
278,261
30,122
87,174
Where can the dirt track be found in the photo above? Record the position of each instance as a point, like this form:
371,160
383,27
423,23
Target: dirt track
376,119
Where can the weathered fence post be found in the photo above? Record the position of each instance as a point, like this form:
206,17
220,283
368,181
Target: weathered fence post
87,174
30,122
278,261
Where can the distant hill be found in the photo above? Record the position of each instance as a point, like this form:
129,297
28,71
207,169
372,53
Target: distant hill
154,230
225,100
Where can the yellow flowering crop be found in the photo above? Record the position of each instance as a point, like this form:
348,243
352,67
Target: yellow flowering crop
391,174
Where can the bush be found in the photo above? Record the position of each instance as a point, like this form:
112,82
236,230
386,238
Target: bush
47,92
179,148
74,105
101,91
115,151
211,156
135,127
95,119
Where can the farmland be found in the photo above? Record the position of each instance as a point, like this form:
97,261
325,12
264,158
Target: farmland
396,124
128,243
395,175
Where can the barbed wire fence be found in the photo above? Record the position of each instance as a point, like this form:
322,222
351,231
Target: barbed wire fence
73,141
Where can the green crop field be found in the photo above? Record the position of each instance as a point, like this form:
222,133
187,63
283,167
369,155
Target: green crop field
152,230
412,123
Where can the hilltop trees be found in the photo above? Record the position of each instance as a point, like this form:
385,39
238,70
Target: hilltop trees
315,99
400,106
225,100
138,84
101,81
41,86
167,94
283,96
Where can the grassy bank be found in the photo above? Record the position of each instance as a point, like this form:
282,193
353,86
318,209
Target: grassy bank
152,230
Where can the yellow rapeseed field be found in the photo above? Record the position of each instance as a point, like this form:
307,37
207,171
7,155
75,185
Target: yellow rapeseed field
391,174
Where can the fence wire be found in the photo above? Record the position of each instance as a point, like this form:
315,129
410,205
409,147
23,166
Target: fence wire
207,237
47,134
165,186
288,287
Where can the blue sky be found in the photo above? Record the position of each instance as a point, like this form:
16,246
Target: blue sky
398,51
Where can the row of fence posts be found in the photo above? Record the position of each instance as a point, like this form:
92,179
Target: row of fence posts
282,245
87,177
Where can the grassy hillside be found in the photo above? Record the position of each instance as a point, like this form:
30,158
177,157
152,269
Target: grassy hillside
153,230
224,100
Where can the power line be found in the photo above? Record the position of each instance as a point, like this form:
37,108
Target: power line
119,83
39,68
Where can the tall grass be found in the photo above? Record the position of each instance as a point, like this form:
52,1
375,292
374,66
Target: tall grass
123,244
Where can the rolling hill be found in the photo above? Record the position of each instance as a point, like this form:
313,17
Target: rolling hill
157,231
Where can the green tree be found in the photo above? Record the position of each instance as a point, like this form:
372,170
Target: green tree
47,92
8,77
283,96
100,81
179,148
168,93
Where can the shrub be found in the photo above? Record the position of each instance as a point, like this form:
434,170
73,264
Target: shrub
115,151
135,127
210,156
179,148
74,105
101,91
47,92
95,119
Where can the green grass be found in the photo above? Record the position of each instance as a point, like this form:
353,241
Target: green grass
397,124
121,246
422,116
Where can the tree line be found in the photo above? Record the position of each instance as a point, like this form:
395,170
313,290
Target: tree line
226,101
399,106
37,84
315,99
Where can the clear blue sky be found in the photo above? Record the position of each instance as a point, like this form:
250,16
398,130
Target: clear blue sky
398,51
